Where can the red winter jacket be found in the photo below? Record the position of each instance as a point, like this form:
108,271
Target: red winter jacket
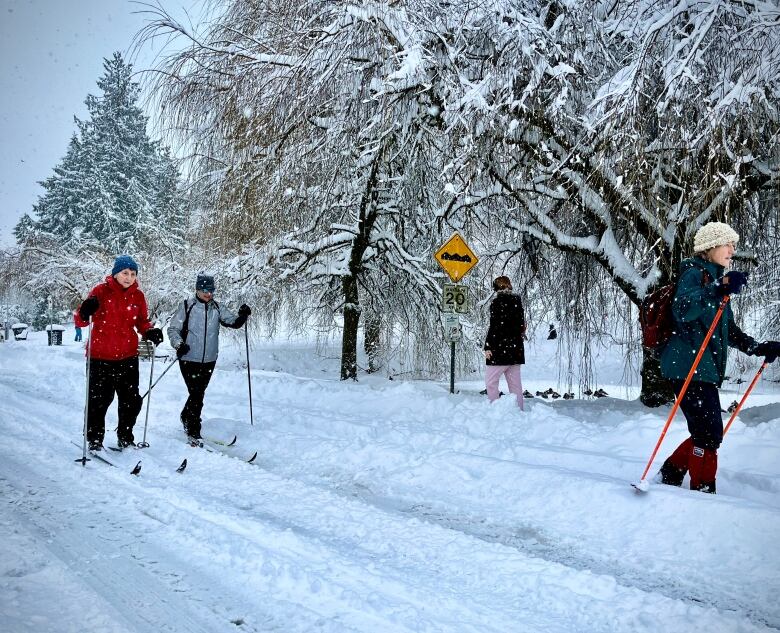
120,313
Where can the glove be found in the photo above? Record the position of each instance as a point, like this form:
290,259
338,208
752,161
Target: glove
244,310
88,308
182,349
731,283
154,335
770,350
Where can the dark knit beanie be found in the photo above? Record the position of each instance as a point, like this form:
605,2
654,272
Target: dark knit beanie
122,262
205,283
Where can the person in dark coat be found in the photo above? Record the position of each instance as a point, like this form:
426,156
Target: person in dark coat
700,290
504,348
119,313
194,333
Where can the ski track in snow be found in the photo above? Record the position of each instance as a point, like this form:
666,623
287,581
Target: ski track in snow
370,508
532,540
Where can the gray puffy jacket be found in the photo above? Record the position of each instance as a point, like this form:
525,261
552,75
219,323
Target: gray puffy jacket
202,328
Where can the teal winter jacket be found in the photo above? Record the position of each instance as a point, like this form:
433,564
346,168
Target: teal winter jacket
694,307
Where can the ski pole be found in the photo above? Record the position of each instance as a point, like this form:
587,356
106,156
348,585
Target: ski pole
160,378
144,443
83,459
248,373
747,393
643,485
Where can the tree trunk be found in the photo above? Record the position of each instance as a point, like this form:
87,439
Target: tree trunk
349,283
350,336
371,333
656,390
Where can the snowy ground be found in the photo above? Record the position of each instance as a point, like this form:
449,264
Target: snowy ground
375,507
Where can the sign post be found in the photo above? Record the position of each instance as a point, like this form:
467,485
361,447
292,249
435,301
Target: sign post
50,334
457,260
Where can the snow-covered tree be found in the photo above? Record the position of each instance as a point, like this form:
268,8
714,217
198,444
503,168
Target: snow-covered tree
319,145
345,139
115,185
616,129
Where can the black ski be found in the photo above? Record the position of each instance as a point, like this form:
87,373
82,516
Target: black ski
118,449
222,442
212,446
92,454
136,469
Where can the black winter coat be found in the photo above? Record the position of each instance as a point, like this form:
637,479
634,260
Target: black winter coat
506,330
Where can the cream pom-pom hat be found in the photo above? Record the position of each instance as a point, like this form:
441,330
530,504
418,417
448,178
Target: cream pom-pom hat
714,234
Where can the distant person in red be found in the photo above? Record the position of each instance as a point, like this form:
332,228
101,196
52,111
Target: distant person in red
77,338
118,310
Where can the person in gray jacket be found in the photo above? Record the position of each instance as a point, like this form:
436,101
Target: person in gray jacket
194,333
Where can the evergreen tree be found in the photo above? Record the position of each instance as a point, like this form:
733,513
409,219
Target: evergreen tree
115,186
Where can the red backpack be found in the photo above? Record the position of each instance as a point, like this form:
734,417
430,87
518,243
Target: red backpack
655,314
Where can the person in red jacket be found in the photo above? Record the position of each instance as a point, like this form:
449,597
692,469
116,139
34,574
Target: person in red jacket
118,310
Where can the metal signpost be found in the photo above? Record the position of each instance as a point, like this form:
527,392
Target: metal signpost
457,260
50,334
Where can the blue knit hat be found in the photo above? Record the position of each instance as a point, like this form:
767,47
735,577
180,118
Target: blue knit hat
122,262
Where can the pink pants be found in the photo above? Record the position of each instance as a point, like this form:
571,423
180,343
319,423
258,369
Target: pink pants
512,373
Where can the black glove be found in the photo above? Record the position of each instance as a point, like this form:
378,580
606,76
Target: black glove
770,350
88,308
731,283
244,311
182,349
154,335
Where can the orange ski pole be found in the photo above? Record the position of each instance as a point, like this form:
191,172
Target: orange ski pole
747,393
642,485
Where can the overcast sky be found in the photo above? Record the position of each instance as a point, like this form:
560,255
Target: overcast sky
51,55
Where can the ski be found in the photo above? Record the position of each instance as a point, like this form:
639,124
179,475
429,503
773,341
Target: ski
93,454
211,446
117,449
222,442
136,469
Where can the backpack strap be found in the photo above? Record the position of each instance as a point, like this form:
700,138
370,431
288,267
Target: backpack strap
706,276
185,328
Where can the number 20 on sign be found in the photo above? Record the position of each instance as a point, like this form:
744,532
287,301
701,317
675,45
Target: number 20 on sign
455,298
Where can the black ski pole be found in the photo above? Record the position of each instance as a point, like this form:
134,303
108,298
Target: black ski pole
83,459
248,372
144,443
160,378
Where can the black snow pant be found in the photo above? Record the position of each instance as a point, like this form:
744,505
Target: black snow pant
701,407
196,377
107,377
698,454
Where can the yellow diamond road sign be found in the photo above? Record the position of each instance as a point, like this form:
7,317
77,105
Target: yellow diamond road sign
456,258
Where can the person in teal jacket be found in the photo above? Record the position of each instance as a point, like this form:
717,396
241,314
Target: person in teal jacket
702,284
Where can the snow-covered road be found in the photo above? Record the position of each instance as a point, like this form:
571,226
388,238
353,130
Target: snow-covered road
373,507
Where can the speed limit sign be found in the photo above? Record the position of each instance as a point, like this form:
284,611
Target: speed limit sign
455,298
